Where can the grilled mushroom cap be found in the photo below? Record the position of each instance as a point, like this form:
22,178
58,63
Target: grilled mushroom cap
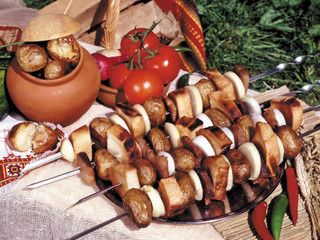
50,26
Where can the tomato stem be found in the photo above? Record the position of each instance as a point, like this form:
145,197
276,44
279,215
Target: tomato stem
143,38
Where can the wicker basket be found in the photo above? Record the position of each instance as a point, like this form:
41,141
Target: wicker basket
111,24
110,96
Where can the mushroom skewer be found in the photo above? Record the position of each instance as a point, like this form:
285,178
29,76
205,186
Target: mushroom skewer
102,191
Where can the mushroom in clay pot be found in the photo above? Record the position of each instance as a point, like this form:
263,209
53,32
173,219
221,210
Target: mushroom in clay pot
31,57
56,69
71,90
64,49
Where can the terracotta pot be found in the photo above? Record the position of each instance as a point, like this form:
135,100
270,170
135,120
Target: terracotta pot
61,101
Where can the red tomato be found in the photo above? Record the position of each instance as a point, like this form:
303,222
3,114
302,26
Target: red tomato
131,42
118,75
141,85
166,63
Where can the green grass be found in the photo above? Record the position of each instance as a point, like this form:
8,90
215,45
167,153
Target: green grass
37,4
260,34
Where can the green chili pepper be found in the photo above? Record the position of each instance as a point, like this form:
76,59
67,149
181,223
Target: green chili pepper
4,106
278,211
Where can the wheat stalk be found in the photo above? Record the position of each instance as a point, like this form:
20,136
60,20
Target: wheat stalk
67,8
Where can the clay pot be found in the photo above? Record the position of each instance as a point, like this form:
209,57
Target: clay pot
61,101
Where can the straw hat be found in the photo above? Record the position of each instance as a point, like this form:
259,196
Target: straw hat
47,27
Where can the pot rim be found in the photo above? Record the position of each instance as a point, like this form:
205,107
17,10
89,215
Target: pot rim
57,81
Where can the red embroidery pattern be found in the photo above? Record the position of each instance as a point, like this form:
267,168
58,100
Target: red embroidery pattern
11,166
59,133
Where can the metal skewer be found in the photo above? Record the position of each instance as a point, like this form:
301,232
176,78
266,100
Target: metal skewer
94,195
311,108
97,226
317,128
304,89
282,66
40,162
44,161
84,165
54,179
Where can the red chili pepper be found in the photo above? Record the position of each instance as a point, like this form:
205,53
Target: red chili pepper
258,220
293,193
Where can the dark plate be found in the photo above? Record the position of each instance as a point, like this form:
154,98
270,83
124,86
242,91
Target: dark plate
241,198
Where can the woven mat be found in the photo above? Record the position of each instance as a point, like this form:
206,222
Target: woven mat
239,227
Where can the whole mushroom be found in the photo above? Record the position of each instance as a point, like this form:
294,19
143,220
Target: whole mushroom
64,49
31,57
56,69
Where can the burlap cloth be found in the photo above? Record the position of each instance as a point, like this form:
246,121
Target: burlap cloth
15,13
